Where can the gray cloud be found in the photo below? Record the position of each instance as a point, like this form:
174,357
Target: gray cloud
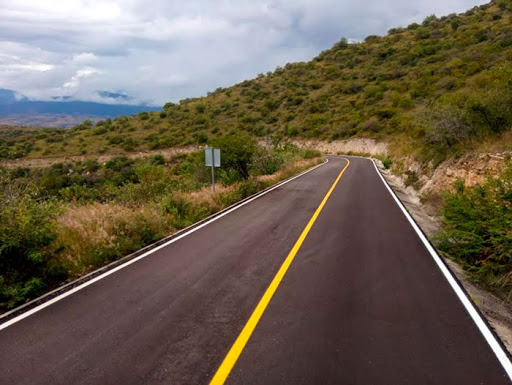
169,50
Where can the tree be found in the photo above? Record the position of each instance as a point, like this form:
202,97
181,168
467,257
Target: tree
455,23
447,126
237,152
341,44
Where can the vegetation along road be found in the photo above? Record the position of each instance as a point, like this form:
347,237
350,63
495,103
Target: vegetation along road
323,280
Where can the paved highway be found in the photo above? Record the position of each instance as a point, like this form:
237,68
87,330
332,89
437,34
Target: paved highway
320,281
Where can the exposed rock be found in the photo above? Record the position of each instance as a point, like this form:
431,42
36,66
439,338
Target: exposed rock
356,146
472,169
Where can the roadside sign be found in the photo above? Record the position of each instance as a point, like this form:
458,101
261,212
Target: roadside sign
212,153
212,159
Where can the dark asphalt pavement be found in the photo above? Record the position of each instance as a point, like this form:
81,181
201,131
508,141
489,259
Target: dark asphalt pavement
362,303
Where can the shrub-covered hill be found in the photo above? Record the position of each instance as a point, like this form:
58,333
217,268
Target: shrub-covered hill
433,88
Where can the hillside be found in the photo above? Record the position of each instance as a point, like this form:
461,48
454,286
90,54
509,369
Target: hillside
430,89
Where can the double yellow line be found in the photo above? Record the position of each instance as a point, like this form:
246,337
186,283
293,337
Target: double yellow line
234,353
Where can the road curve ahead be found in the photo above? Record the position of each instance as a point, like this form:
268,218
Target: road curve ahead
361,302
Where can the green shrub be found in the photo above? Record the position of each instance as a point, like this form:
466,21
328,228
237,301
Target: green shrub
387,162
100,131
477,230
310,153
200,108
237,152
185,213
247,188
91,165
492,110
447,125
422,33
201,137
157,159
455,24
27,260
79,193
267,161
411,178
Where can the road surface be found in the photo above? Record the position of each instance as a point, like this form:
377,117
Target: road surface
362,302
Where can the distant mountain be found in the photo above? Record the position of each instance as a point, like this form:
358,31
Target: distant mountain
10,96
18,109
72,108
119,97
115,95
62,98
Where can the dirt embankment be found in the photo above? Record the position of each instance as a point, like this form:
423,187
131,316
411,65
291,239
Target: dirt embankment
45,162
356,146
428,182
472,169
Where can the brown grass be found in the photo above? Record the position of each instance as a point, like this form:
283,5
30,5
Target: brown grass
82,230
289,170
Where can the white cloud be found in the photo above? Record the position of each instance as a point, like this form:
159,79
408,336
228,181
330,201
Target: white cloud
74,82
26,67
85,58
168,50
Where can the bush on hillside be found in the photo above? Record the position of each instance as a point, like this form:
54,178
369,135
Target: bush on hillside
483,109
447,126
477,230
27,261
237,152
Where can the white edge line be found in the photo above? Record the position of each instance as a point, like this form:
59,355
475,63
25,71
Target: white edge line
122,266
468,305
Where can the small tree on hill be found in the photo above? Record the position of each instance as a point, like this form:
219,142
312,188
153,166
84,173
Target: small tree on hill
237,149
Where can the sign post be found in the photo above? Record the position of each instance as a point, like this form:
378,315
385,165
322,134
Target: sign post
212,159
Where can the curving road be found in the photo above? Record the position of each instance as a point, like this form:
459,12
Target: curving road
362,302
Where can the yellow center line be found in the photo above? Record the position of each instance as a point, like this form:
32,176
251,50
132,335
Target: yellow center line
234,353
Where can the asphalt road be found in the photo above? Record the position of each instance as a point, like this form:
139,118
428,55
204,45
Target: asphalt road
362,303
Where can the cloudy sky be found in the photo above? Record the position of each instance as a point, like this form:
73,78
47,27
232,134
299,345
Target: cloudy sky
166,50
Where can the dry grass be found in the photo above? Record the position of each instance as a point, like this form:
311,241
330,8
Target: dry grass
95,232
492,144
289,170
206,196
